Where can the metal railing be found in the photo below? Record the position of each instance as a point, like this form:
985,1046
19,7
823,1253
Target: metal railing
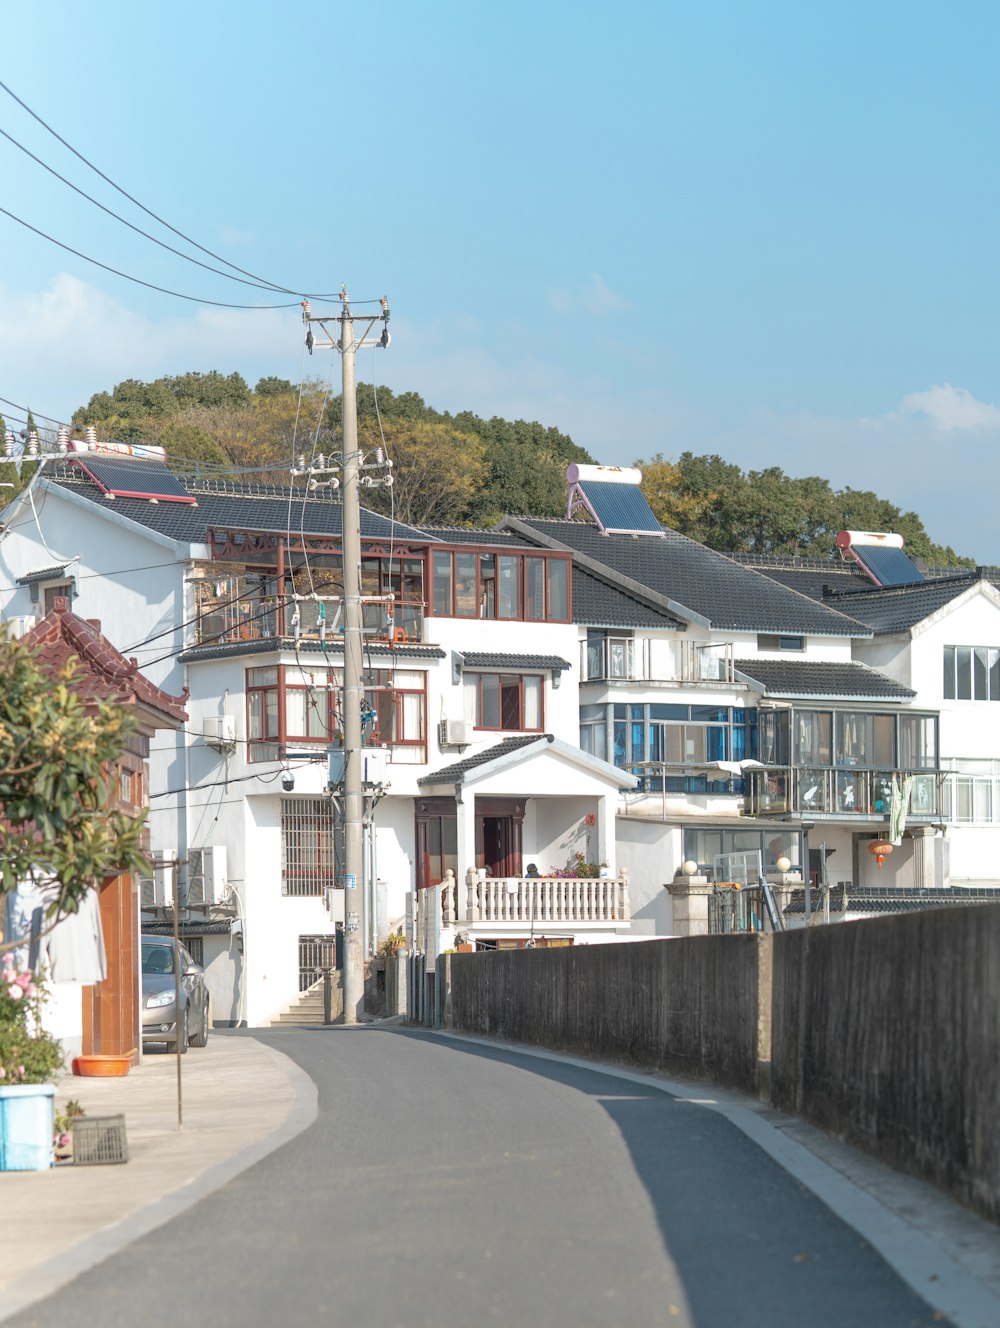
262,620
637,659
838,791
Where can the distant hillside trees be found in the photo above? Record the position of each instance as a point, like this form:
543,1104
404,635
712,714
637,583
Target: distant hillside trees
769,512
462,470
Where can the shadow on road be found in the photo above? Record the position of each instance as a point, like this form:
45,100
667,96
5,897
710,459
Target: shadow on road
745,1236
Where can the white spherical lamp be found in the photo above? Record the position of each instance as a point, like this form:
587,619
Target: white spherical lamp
783,864
690,868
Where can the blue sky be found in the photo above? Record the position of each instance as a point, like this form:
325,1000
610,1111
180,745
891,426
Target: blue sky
763,230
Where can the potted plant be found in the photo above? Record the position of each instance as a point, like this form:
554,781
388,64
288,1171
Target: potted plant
29,1057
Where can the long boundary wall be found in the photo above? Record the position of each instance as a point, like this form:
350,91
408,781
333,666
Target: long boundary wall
885,1032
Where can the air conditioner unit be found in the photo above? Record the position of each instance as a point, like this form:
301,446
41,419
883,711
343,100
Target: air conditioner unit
454,733
18,627
207,875
219,731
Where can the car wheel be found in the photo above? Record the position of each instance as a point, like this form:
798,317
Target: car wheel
182,1034
200,1039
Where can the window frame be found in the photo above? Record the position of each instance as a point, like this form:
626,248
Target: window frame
504,681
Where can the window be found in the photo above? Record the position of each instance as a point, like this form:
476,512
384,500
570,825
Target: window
704,846
672,738
296,706
510,702
527,587
262,714
308,860
971,673
780,642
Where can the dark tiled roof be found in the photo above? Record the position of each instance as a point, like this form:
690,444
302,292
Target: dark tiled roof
880,900
597,603
695,580
465,535
809,576
491,659
269,645
187,929
898,608
796,678
454,774
46,574
225,504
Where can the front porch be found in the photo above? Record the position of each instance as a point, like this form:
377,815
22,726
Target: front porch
533,907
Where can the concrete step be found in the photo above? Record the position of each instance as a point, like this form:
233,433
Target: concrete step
308,1008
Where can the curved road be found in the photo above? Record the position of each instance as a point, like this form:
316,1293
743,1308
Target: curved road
446,1183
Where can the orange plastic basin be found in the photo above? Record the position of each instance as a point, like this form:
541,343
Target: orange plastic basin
103,1066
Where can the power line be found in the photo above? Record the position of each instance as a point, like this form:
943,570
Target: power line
138,229
194,299
326,295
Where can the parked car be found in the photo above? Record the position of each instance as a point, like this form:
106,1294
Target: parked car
159,1015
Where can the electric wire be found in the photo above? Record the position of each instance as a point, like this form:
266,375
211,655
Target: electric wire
259,285
287,290
163,290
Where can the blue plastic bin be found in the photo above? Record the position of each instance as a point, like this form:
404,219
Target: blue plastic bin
27,1124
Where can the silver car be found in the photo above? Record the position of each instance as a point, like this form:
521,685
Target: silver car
159,1015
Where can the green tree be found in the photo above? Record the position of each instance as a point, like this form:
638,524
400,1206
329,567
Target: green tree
183,441
438,472
57,759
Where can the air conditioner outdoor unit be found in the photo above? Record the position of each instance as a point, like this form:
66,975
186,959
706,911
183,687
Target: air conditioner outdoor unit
219,730
207,874
18,627
454,733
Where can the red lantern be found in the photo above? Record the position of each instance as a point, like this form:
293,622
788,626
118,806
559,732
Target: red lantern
880,850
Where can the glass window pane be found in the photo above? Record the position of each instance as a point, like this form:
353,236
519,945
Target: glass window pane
963,673
489,701
487,585
883,753
510,702
509,593
534,589
442,583
295,712
466,603
949,673
532,703
994,675
980,674
558,577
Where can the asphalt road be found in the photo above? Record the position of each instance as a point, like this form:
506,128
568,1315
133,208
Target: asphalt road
449,1184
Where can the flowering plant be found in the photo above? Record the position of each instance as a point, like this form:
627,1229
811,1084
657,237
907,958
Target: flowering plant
577,868
28,1055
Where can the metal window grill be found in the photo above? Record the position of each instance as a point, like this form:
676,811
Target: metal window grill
98,1140
307,846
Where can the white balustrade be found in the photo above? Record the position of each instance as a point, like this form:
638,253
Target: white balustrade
546,899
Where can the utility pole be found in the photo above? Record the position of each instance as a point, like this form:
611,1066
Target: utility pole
354,799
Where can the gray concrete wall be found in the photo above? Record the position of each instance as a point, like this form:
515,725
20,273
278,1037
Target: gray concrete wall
687,1006
887,1033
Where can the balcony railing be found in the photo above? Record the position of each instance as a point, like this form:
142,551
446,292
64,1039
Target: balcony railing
632,659
537,901
308,619
838,791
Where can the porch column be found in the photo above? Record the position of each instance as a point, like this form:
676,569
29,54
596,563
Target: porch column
923,837
606,850
465,843
689,896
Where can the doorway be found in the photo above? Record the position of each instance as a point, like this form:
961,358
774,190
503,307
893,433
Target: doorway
498,835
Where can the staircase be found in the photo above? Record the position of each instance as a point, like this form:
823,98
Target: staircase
307,1010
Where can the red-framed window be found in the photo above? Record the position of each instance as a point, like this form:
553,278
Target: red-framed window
295,706
524,587
508,702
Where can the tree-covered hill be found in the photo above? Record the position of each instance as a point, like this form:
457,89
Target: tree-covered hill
460,469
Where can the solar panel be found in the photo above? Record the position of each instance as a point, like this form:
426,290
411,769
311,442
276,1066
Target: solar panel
889,567
130,478
621,508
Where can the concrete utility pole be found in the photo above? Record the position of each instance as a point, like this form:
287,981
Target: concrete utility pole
354,799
